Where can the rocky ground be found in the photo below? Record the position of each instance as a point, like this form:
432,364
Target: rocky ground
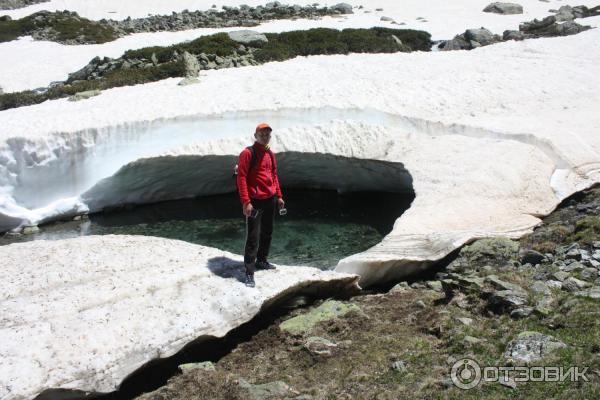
499,302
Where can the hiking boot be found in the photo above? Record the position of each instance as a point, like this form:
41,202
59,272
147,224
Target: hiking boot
264,265
249,280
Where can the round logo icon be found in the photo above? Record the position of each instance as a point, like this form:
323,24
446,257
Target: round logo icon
466,373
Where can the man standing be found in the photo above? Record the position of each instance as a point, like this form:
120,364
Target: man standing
260,194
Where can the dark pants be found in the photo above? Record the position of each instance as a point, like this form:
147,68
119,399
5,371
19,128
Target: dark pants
258,232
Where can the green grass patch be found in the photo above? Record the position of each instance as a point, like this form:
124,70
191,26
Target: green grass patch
219,44
117,78
587,230
65,26
318,41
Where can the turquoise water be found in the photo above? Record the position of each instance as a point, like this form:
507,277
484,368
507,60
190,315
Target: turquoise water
321,227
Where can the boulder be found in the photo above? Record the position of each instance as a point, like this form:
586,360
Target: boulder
565,13
343,8
504,8
531,256
247,37
481,36
191,65
507,300
531,346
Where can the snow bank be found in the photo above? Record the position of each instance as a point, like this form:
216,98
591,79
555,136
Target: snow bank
132,299
35,64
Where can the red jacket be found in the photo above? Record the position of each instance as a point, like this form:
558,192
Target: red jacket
261,181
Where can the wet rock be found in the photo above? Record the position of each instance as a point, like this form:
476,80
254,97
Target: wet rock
504,8
205,366
330,309
531,256
531,346
319,346
574,284
247,37
84,95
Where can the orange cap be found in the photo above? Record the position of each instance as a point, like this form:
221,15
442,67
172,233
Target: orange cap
263,126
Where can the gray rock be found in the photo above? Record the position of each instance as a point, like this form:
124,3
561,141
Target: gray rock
270,390
191,65
155,60
400,287
531,346
574,284
531,256
319,346
592,293
565,13
387,19
540,287
247,37
465,321
504,8
522,312
482,36
399,366
560,276
574,266
188,81
343,8
504,300
205,365
84,95
435,285
554,284
469,341
589,274
574,254
502,285
420,304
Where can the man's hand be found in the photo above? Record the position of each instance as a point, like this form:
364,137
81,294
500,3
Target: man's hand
280,203
247,209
